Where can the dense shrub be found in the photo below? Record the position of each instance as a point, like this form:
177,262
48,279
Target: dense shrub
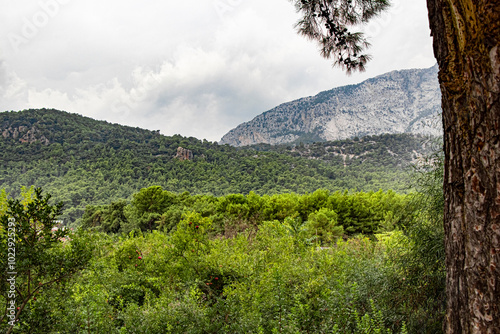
253,264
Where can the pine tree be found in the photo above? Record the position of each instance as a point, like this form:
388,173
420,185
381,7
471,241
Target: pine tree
466,45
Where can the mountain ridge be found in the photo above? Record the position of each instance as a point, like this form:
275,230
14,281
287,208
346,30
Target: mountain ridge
405,101
83,161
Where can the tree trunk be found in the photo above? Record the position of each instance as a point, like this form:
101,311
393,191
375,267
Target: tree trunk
466,44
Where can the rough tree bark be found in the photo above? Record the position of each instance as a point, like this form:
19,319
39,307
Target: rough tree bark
466,44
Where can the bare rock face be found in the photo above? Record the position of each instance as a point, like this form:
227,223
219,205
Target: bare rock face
184,154
407,101
25,134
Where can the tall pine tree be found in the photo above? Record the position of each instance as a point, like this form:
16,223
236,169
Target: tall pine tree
466,45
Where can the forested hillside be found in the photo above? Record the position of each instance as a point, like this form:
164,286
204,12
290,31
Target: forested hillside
181,235
386,150
81,161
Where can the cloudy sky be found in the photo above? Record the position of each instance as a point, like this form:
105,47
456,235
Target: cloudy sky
192,67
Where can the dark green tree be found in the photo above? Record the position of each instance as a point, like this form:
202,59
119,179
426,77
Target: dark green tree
323,225
147,207
40,253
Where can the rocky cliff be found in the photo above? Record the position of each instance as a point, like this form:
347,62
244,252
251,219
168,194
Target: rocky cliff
184,154
24,134
407,101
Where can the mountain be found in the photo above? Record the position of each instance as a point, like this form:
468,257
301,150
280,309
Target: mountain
407,101
82,161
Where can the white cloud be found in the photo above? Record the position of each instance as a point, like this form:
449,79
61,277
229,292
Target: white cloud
12,88
187,67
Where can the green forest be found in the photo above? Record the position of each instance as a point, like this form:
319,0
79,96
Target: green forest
326,237
81,161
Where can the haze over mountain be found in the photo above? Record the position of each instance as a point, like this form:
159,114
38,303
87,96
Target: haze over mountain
407,101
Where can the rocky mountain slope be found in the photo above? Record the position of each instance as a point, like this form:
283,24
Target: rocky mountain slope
407,101
82,161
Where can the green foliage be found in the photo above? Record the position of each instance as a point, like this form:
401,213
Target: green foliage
237,253
83,162
372,323
43,254
106,218
323,225
3,202
326,215
190,240
333,25
268,278
416,257
147,207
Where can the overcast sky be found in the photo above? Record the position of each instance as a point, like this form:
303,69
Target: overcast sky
192,67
